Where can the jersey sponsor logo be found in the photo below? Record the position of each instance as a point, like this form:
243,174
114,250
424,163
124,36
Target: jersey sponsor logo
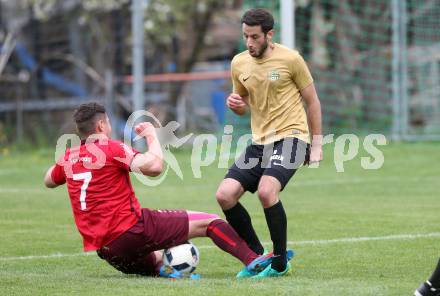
273,75
82,159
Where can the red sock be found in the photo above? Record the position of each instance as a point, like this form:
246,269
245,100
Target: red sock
225,237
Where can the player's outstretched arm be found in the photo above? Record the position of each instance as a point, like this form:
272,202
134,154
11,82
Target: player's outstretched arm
151,162
314,117
48,178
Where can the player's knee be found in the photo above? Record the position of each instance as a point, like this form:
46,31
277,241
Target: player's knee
211,220
199,228
224,198
266,194
212,217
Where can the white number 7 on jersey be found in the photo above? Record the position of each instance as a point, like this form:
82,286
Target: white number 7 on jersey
87,176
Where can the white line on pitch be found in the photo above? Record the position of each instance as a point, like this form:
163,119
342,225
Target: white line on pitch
365,239
298,243
56,255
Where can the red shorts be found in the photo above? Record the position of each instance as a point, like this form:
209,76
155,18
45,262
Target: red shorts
132,251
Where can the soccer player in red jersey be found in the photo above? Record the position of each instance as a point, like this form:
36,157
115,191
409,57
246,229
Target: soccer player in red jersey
107,212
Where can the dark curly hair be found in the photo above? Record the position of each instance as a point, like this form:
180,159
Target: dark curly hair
86,117
258,17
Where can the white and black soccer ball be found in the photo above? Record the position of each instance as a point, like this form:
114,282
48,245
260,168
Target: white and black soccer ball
184,258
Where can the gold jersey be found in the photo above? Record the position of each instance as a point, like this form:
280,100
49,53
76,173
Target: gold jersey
273,86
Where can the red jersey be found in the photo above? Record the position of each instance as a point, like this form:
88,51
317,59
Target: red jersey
103,201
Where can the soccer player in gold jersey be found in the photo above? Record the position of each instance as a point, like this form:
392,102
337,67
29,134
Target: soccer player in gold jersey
274,84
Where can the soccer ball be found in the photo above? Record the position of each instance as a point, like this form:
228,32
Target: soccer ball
184,258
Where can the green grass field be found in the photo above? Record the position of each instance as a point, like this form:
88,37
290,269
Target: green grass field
395,209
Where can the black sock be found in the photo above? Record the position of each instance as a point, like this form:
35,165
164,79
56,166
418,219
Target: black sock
277,223
435,277
240,220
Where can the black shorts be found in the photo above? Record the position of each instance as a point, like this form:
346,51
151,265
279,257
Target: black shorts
280,160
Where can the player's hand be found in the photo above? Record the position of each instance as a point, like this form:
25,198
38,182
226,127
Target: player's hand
145,129
315,154
235,102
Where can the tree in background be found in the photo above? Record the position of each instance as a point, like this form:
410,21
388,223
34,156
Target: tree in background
175,34
180,29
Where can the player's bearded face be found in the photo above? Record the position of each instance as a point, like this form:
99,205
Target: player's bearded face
259,51
256,41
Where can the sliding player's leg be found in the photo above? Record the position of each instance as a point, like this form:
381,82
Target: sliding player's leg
136,250
225,237
221,233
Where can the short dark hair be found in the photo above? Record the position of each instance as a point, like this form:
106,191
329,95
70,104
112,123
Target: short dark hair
86,117
258,17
